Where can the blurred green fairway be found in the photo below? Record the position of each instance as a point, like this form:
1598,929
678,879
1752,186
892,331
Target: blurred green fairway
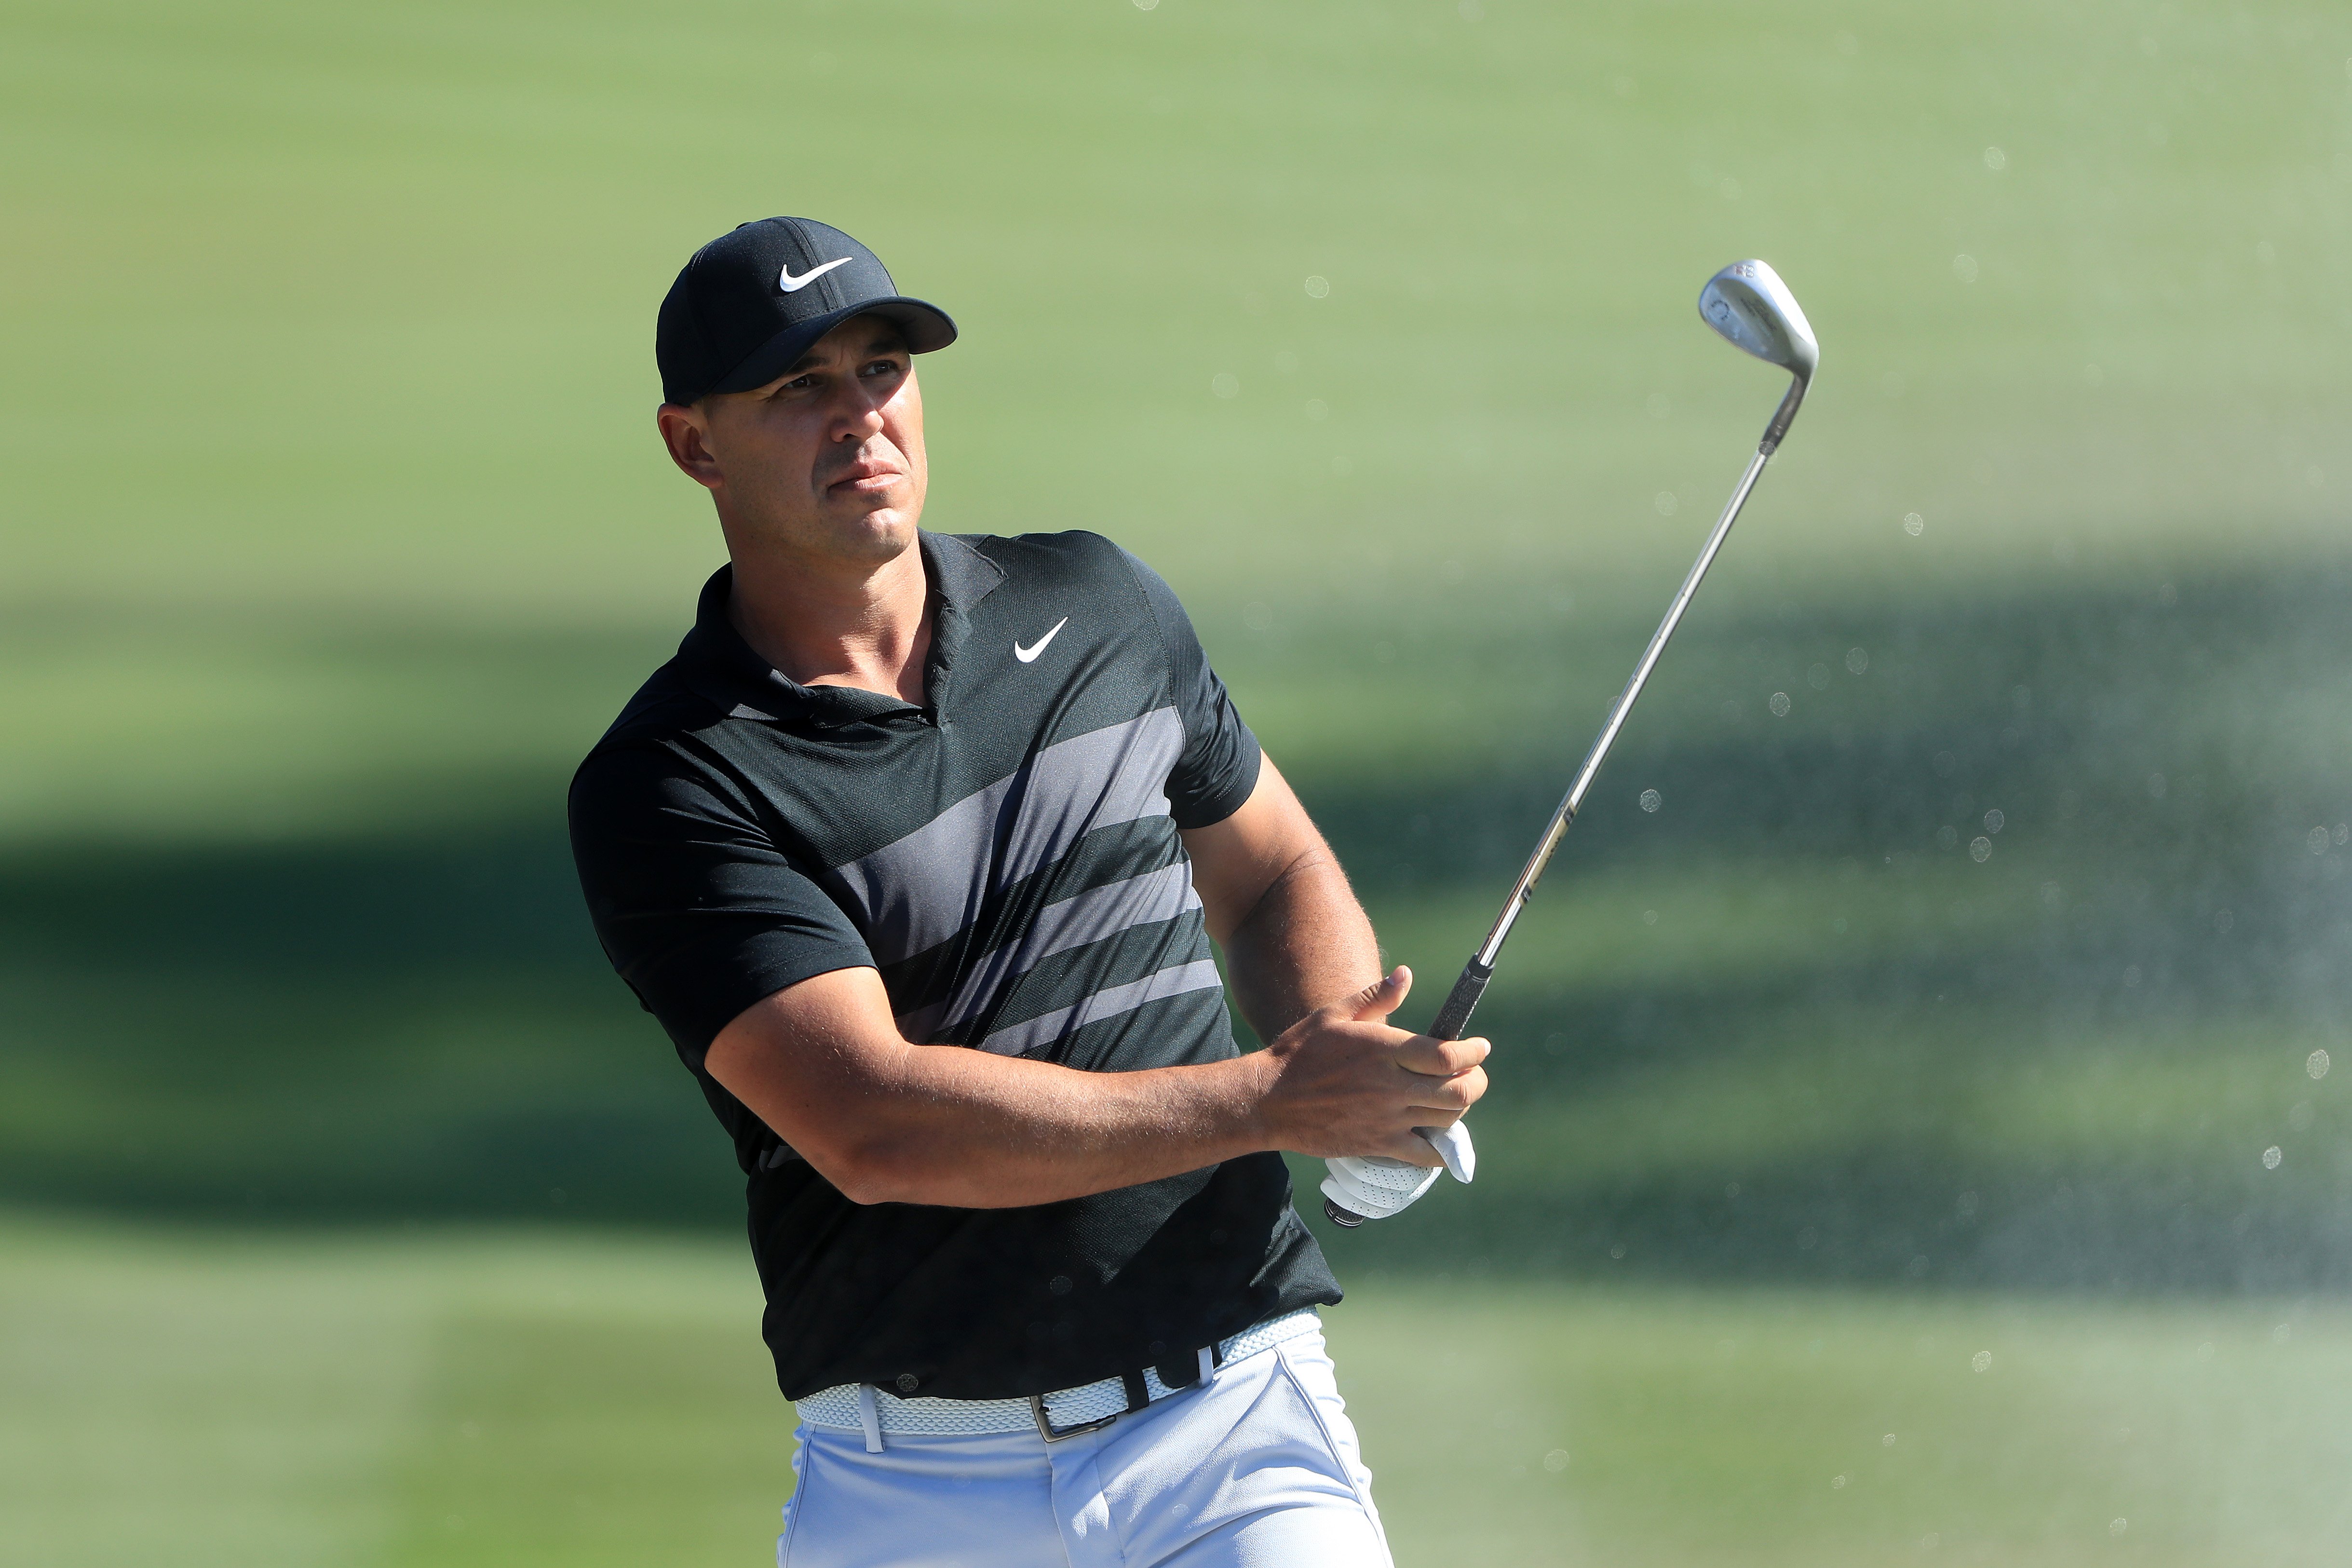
333,529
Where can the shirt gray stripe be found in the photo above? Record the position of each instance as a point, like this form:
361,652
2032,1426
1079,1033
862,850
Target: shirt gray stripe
923,889
1015,1039
1097,913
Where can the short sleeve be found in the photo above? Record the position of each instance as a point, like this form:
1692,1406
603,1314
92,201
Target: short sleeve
1219,766
696,907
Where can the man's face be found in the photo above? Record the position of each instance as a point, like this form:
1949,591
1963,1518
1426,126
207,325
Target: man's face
826,460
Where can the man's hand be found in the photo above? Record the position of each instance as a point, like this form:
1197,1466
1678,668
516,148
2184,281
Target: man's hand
1342,1082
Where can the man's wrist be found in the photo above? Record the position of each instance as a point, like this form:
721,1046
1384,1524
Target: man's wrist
1255,1076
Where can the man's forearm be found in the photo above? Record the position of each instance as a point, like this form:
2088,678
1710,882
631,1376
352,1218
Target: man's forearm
1305,944
968,1130
889,1122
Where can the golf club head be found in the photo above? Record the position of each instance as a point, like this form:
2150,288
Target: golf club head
1747,304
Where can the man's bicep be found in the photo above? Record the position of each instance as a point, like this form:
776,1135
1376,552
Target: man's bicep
1236,861
810,1060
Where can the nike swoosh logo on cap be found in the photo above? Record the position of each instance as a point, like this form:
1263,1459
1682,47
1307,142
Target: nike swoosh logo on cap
1029,655
791,285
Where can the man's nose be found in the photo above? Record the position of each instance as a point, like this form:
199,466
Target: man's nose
860,417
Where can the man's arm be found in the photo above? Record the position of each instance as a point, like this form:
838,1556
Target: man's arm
1293,936
887,1120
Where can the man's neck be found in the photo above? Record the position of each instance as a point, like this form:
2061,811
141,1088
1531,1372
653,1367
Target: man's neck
827,624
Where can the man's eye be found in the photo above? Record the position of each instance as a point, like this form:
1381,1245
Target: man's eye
882,367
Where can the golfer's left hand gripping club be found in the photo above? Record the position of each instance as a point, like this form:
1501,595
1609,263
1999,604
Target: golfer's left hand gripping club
1747,304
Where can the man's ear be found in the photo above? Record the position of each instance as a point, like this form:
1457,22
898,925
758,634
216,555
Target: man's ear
684,430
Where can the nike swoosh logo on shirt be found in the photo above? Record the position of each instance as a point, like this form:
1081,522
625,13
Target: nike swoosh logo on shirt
1029,655
791,285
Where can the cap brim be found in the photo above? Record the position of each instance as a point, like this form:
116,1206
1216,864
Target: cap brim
926,326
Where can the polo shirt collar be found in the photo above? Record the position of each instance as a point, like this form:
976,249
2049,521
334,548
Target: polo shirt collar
722,666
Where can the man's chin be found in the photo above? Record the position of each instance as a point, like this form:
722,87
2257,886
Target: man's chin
874,532
868,534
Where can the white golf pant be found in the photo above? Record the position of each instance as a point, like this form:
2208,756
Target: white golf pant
1256,1467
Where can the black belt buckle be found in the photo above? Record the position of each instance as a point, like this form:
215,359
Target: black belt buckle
1138,1396
1053,1434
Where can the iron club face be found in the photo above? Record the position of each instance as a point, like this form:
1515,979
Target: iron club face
1748,304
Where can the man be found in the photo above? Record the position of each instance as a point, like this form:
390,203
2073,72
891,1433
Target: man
1043,1299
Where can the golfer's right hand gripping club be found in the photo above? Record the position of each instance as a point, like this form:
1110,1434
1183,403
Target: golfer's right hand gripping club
1747,304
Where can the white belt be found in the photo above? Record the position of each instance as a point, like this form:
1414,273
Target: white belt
1063,1413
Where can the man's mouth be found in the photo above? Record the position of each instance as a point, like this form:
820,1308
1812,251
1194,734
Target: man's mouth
866,477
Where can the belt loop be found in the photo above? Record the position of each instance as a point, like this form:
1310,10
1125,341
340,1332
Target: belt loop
1137,1394
869,1417
1208,1362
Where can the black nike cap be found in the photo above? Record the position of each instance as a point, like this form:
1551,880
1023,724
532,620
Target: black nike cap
750,302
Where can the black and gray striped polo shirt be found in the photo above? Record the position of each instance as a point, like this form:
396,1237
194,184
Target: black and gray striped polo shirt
1008,857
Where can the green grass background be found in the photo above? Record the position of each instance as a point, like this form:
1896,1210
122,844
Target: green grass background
353,1198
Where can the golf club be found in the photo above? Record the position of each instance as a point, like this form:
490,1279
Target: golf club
1747,303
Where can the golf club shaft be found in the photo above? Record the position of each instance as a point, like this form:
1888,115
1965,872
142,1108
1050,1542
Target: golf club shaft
1454,1018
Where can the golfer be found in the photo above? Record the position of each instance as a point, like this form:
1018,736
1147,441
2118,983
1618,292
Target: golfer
917,850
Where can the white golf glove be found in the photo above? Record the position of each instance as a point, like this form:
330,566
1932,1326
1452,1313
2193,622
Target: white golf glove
1376,1187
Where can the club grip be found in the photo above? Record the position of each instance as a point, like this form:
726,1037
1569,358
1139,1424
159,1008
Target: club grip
1461,1002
